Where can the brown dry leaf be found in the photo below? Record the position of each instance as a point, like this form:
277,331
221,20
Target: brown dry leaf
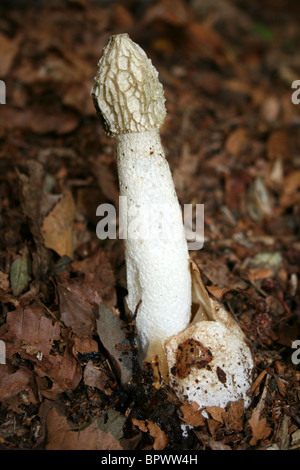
257,273
35,119
87,201
216,412
13,383
258,380
8,51
122,18
85,345
160,437
236,141
141,424
94,377
36,202
218,292
205,42
76,309
90,282
236,188
185,170
57,228
281,386
213,425
173,12
192,415
290,190
64,371
30,334
260,429
4,281
30,331
78,98
217,272
61,436
234,416
258,200
238,86
210,442
278,145
114,340
104,169
98,278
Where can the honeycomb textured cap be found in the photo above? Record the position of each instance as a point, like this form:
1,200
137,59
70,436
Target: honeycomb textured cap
127,92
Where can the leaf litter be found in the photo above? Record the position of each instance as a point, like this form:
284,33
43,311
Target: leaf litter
71,378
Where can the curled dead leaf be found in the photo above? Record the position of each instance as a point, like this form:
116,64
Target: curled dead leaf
160,438
57,228
62,436
259,427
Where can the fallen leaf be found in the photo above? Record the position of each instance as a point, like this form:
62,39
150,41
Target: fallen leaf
4,281
266,260
290,190
172,12
31,334
8,51
216,412
98,278
234,416
30,331
61,436
281,386
160,437
76,308
94,377
218,292
192,415
217,272
35,203
20,273
82,290
259,427
64,371
141,424
213,425
236,141
114,340
77,97
258,273
235,188
112,422
13,383
278,145
104,169
258,380
210,442
258,200
57,228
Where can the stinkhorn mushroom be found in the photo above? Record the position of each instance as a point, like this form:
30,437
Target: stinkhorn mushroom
205,359
131,101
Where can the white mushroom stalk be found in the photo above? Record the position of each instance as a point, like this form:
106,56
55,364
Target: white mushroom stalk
131,101
205,359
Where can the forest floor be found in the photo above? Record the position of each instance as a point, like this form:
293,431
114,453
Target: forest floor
232,139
